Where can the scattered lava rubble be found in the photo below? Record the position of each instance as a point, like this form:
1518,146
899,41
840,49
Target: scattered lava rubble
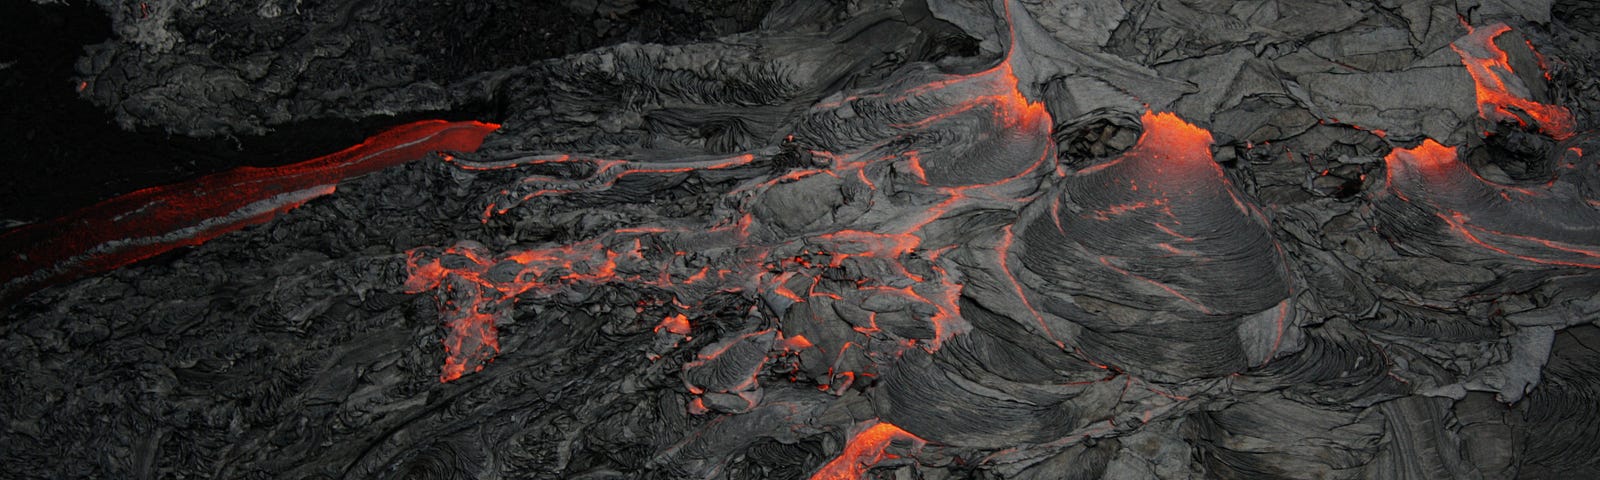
927,239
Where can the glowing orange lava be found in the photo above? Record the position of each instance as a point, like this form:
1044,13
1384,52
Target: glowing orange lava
1169,141
1168,136
864,451
481,287
1429,154
676,324
147,222
1501,94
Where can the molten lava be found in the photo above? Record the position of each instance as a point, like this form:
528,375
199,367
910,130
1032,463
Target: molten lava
865,450
1172,143
1501,94
147,222
676,324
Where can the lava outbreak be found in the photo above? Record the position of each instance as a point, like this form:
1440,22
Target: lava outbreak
1502,96
865,450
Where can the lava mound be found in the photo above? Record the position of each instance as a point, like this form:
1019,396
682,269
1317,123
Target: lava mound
1193,260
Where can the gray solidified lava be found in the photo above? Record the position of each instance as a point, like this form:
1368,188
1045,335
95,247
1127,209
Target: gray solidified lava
922,239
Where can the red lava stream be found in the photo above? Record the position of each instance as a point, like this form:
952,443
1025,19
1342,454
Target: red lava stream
145,223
